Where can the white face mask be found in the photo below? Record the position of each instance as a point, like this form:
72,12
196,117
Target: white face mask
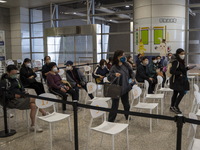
158,60
182,56
69,68
170,57
55,69
28,65
154,61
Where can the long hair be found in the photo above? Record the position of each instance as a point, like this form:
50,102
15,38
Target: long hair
116,55
102,61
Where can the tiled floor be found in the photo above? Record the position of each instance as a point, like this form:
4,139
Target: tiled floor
163,136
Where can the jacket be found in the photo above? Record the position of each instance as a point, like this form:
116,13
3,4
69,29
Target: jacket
80,77
12,86
25,73
126,73
178,80
141,73
99,71
151,70
45,69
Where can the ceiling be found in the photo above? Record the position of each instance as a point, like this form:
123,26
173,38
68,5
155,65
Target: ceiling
29,3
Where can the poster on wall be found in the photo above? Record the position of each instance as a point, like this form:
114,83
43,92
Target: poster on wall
2,45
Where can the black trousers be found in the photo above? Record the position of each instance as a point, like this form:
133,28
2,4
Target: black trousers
37,86
152,85
63,95
176,98
115,105
85,88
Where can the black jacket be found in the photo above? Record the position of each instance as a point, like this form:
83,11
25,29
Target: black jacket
45,69
25,73
179,80
141,73
12,86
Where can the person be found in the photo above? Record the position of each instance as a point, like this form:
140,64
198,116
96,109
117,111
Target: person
139,58
27,76
159,63
15,101
166,61
59,87
130,62
109,64
142,74
178,81
123,73
100,71
45,67
152,68
76,78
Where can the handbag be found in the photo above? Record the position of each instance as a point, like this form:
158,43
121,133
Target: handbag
112,90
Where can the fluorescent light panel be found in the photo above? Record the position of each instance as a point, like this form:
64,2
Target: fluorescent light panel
3,1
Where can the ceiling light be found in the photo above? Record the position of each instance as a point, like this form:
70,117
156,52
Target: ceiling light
127,6
111,20
3,1
74,13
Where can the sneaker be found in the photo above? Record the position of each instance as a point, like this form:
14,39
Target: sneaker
177,110
172,109
37,128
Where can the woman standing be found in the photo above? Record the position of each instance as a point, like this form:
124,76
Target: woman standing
178,81
124,73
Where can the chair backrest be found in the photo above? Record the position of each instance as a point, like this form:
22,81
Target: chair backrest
197,96
37,63
160,80
61,72
87,68
45,104
91,87
194,126
9,62
19,61
196,87
146,83
98,103
136,91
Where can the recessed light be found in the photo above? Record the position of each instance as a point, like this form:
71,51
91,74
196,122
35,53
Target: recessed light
111,20
127,6
3,1
74,13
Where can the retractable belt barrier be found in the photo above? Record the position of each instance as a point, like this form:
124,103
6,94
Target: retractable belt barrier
179,119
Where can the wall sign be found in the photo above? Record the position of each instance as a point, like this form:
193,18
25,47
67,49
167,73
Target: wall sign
167,20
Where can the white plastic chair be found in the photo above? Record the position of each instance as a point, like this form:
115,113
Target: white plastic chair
53,117
153,96
9,62
87,72
196,104
106,127
135,94
159,86
194,143
196,87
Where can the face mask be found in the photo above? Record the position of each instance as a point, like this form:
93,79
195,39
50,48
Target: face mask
13,76
170,57
182,56
55,69
158,60
28,65
123,59
69,68
154,61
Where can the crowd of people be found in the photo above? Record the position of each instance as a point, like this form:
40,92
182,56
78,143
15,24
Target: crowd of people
119,66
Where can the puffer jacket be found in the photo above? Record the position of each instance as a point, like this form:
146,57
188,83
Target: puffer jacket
178,80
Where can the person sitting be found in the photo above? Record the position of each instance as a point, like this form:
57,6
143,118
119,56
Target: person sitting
152,68
142,74
130,62
100,71
159,63
45,67
76,78
109,64
27,76
15,101
139,58
59,87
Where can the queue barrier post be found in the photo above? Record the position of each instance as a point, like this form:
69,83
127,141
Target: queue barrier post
5,133
75,109
180,120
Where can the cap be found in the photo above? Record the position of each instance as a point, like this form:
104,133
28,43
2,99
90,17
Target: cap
69,63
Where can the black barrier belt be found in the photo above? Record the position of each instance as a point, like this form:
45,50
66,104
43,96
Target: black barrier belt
146,115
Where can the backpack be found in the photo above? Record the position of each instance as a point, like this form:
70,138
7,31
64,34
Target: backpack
168,74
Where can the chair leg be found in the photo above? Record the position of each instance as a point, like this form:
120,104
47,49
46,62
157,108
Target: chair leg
150,121
50,132
189,130
127,138
113,142
162,106
70,131
28,121
157,112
